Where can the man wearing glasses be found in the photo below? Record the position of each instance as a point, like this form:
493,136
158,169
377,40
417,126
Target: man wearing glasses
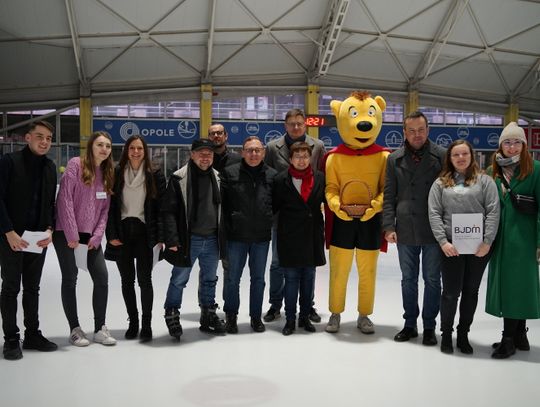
277,157
247,211
223,156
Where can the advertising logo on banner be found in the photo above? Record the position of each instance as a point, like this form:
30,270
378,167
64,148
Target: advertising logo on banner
183,132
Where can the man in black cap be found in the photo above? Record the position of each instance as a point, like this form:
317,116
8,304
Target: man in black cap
191,214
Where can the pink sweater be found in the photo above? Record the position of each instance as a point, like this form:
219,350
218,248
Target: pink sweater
77,206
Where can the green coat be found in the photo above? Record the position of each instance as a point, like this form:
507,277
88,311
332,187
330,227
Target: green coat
513,285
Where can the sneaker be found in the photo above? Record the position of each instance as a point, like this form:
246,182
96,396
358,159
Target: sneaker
78,337
313,316
104,337
271,315
37,341
12,349
333,323
365,325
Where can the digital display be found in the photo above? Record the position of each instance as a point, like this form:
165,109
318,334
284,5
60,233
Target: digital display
320,121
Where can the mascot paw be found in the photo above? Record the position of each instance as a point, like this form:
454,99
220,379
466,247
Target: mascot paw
343,215
368,214
376,205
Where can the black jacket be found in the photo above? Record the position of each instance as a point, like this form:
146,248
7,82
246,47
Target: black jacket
247,202
175,209
300,231
16,192
152,216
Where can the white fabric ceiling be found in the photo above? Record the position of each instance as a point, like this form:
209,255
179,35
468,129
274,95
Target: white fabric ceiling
470,54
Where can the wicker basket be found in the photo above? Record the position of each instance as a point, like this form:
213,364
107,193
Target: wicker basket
355,210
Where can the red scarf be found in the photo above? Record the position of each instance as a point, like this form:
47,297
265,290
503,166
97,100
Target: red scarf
307,180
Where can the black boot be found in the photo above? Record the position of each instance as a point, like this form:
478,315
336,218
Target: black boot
462,342
12,348
133,327
446,343
146,329
505,349
304,322
231,325
521,341
210,322
35,340
289,327
172,319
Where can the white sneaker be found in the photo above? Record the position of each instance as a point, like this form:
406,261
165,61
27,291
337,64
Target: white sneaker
78,337
365,325
333,323
104,337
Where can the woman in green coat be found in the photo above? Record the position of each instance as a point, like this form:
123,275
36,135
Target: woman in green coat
513,285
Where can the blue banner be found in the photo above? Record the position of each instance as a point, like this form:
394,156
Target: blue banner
183,132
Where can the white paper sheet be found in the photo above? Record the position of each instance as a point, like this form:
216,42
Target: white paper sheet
81,256
467,232
155,250
32,238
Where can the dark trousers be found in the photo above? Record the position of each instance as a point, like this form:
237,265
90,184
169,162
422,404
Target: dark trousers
135,248
513,326
298,282
98,273
461,275
17,267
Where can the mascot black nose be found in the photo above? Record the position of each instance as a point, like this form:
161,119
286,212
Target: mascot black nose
364,126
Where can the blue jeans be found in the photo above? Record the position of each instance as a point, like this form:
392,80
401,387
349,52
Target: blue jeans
204,249
409,261
298,280
237,253
277,277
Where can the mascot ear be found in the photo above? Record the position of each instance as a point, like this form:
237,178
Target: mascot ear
335,105
380,101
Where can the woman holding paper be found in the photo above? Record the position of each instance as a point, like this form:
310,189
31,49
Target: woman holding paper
464,216
513,290
82,207
134,228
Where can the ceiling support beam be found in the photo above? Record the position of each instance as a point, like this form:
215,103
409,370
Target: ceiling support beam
210,42
81,72
328,40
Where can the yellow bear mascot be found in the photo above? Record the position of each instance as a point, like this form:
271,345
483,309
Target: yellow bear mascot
355,172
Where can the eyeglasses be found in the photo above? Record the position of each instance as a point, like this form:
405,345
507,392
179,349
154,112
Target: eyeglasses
295,124
216,133
253,150
301,157
510,143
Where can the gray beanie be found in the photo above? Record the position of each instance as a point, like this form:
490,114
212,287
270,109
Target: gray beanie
512,131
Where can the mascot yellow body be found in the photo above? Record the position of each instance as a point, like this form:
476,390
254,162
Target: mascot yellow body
361,165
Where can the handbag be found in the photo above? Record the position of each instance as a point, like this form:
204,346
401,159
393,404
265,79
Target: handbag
355,210
525,204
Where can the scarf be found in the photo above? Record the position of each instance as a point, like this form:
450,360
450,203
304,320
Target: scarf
290,141
307,180
194,179
133,193
416,155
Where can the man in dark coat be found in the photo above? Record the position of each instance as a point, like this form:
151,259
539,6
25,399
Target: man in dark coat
410,172
247,210
223,155
27,192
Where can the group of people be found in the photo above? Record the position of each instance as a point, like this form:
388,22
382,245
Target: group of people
226,206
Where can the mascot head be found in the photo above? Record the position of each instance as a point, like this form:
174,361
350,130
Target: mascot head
359,118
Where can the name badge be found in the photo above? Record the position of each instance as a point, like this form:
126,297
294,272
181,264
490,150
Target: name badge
101,195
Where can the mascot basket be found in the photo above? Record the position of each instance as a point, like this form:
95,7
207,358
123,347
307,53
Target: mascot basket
355,210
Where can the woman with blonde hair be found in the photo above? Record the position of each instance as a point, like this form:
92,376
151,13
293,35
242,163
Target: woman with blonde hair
82,209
